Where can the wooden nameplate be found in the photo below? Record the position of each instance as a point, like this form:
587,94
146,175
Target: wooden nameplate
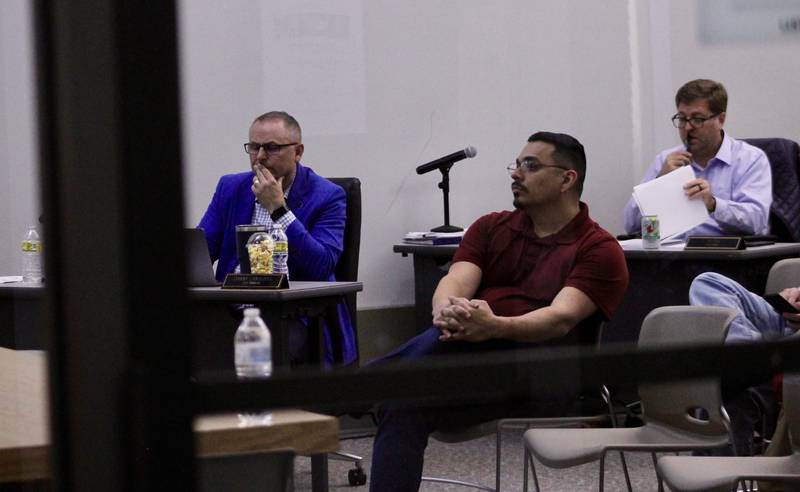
714,242
256,281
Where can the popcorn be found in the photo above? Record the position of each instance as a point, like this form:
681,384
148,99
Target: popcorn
261,255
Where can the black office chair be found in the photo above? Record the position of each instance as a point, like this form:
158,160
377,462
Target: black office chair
784,159
347,267
347,270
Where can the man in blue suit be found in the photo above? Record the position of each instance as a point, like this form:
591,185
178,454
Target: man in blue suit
279,189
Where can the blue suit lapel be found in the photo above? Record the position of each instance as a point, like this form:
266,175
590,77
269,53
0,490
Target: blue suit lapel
298,191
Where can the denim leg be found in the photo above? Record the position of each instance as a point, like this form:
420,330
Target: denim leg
757,320
399,448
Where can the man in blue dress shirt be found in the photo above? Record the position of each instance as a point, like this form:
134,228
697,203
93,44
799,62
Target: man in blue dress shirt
311,209
732,177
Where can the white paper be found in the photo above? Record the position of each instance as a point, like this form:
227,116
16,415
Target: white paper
664,197
10,279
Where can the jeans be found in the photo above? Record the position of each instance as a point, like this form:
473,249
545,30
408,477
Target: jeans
755,322
402,436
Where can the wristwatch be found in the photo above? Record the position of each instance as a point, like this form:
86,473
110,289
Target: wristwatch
278,213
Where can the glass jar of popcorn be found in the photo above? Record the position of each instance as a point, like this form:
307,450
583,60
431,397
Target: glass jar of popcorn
260,247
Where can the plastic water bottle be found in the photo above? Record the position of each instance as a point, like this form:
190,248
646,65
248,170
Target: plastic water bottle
253,346
32,256
280,255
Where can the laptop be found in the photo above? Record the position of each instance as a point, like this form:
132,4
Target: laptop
199,271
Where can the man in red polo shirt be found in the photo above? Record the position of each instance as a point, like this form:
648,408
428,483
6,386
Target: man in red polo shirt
540,276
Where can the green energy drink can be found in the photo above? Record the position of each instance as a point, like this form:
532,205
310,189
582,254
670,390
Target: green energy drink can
651,234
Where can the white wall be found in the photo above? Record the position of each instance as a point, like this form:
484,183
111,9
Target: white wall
762,75
19,194
382,86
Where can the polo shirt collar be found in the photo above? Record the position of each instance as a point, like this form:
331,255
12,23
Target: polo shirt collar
570,233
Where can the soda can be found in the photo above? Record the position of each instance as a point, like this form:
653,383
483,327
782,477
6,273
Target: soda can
651,233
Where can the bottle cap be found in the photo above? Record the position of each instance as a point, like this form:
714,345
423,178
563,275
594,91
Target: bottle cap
253,311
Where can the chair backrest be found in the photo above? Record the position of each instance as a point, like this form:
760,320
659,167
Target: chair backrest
791,407
674,403
347,267
783,274
784,159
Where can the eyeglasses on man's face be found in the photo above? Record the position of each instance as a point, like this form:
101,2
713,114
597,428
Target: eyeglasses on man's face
270,148
680,121
530,166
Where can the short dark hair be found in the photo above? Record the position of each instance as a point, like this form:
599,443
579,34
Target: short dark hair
568,153
710,90
288,120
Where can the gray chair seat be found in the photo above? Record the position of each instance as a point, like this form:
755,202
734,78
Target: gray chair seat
722,473
668,408
564,448
711,473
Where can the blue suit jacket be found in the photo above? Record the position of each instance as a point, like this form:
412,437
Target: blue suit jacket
315,238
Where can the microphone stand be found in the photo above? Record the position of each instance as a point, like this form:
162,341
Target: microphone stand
445,187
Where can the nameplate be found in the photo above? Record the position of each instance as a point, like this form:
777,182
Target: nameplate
714,242
255,281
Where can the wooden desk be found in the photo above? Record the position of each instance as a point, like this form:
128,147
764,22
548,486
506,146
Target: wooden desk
657,278
25,441
24,431
21,324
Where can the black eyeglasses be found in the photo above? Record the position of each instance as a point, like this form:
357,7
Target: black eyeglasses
530,166
270,148
679,121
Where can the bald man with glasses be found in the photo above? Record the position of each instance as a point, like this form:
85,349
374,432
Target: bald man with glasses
732,177
279,189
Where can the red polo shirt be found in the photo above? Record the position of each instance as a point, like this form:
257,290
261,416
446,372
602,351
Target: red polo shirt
523,272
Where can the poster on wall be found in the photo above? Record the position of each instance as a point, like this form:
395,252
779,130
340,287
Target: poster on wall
313,63
748,21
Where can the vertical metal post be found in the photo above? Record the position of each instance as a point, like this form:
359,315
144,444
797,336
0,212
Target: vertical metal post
109,131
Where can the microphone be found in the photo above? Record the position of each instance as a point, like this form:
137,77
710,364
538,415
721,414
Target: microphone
448,160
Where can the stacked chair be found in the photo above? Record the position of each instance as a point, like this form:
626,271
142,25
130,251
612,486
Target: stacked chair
668,408
724,473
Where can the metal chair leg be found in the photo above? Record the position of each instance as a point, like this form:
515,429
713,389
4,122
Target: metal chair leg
601,479
658,477
497,458
530,459
625,471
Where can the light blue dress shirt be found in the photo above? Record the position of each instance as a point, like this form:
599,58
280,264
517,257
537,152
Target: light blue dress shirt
741,181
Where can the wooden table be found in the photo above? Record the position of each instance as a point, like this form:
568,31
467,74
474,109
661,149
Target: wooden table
25,441
24,431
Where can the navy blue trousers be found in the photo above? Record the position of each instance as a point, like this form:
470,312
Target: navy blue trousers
402,436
